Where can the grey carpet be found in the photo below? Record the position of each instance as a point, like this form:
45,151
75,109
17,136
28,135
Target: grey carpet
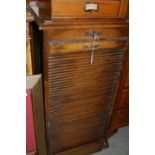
118,143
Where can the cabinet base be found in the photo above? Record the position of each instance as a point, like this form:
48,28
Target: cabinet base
86,149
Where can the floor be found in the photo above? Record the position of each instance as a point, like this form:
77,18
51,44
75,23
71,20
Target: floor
118,143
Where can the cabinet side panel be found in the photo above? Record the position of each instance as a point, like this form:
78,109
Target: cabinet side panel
38,110
120,114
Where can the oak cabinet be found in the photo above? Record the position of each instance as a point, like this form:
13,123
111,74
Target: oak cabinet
81,71
82,52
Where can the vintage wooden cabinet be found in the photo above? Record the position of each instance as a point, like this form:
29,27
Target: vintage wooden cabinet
82,52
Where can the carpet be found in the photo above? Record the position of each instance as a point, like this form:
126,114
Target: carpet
118,143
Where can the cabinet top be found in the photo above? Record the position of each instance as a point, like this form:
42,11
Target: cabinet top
46,23
80,9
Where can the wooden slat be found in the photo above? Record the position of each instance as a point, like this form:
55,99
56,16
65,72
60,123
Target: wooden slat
80,96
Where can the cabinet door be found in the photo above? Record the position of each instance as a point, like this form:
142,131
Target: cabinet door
80,95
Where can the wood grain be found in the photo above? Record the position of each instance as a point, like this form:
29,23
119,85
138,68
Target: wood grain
79,96
124,9
28,57
86,33
85,149
120,115
29,19
75,9
64,9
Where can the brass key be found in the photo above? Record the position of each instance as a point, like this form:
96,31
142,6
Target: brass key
93,47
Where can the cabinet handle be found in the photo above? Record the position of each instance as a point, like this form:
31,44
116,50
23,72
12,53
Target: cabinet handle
91,7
